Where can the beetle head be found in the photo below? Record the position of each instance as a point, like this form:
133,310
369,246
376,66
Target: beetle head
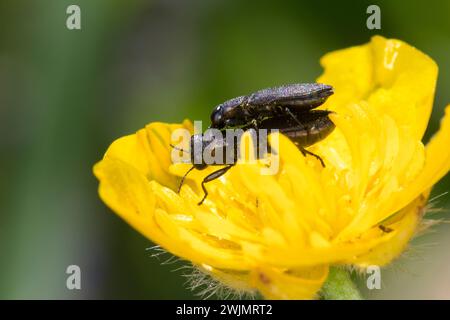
217,120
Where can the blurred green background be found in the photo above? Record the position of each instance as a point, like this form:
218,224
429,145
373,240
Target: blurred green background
66,95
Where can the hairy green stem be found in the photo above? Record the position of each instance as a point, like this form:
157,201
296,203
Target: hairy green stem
339,286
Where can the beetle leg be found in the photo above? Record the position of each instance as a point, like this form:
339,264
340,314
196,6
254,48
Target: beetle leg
289,112
305,152
211,177
184,177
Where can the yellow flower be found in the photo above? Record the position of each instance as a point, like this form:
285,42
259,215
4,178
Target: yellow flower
280,234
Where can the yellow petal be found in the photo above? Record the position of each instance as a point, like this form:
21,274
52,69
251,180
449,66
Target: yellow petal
437,164
127,192
128,150
155,140
403,229
388,73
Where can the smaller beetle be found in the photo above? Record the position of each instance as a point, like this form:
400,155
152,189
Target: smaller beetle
247,111
229,159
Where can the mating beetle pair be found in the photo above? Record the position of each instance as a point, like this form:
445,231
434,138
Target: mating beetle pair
287,108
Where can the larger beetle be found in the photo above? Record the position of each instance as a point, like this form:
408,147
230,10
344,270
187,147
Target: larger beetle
295,100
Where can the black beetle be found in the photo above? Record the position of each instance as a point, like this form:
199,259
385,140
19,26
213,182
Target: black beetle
248,111
229,151
316,127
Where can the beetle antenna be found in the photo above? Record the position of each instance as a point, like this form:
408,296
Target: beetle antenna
182,179
176,148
